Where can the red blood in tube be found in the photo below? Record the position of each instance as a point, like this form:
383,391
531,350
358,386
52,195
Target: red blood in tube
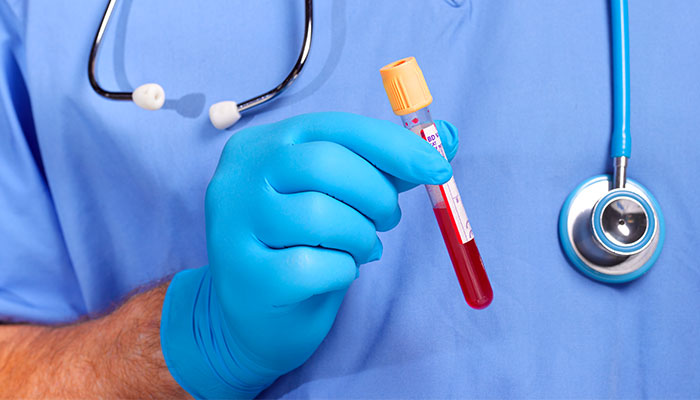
466,261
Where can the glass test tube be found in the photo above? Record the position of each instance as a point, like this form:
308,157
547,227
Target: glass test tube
452,219
446,200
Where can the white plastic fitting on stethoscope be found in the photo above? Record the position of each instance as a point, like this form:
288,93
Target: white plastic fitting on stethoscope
224,114
150,96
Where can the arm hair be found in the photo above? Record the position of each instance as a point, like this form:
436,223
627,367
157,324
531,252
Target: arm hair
114,356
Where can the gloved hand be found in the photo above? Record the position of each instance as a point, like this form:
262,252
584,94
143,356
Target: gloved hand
291,212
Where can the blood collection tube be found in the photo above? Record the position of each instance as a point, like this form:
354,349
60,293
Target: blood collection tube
410,97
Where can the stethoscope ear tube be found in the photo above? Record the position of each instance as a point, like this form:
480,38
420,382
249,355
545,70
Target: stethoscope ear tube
151,96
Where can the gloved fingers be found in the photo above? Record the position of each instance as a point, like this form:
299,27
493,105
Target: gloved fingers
300,326
386,145
449,137
377,251
332,169
315,219
300,272
320,311
450,143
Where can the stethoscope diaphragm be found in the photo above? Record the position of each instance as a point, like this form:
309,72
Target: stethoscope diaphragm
612,255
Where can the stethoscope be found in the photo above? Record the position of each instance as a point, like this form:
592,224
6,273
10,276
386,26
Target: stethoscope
611,228
151,96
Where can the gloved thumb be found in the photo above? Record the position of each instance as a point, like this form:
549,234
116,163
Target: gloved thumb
449,136
450,142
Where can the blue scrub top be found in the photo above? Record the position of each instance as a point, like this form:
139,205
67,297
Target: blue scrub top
100,197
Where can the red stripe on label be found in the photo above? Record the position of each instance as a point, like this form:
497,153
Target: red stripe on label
449,210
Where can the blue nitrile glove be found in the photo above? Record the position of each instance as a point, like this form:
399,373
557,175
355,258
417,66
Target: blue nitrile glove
292,211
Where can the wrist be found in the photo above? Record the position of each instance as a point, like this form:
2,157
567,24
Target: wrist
199,351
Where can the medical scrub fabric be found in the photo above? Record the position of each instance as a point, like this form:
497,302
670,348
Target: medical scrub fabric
100,197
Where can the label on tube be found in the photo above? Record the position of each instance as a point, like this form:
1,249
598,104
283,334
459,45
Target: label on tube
447,193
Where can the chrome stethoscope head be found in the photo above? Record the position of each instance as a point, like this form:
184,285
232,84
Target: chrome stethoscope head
623,222
224,114
611,228
612,236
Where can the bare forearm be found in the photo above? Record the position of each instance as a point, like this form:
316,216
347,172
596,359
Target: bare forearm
117,355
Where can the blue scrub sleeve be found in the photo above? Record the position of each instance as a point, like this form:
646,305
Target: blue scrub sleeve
37,281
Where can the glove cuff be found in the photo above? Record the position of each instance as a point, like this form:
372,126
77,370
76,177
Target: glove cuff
199,352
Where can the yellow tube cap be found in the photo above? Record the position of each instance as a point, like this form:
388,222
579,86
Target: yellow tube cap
405,86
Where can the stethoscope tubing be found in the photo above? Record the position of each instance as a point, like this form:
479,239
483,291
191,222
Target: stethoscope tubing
621,144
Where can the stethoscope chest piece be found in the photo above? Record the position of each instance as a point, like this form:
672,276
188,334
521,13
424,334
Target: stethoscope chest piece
610,227
612,236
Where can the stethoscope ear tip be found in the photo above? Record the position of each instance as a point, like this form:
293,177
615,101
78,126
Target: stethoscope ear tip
224,114
150,96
